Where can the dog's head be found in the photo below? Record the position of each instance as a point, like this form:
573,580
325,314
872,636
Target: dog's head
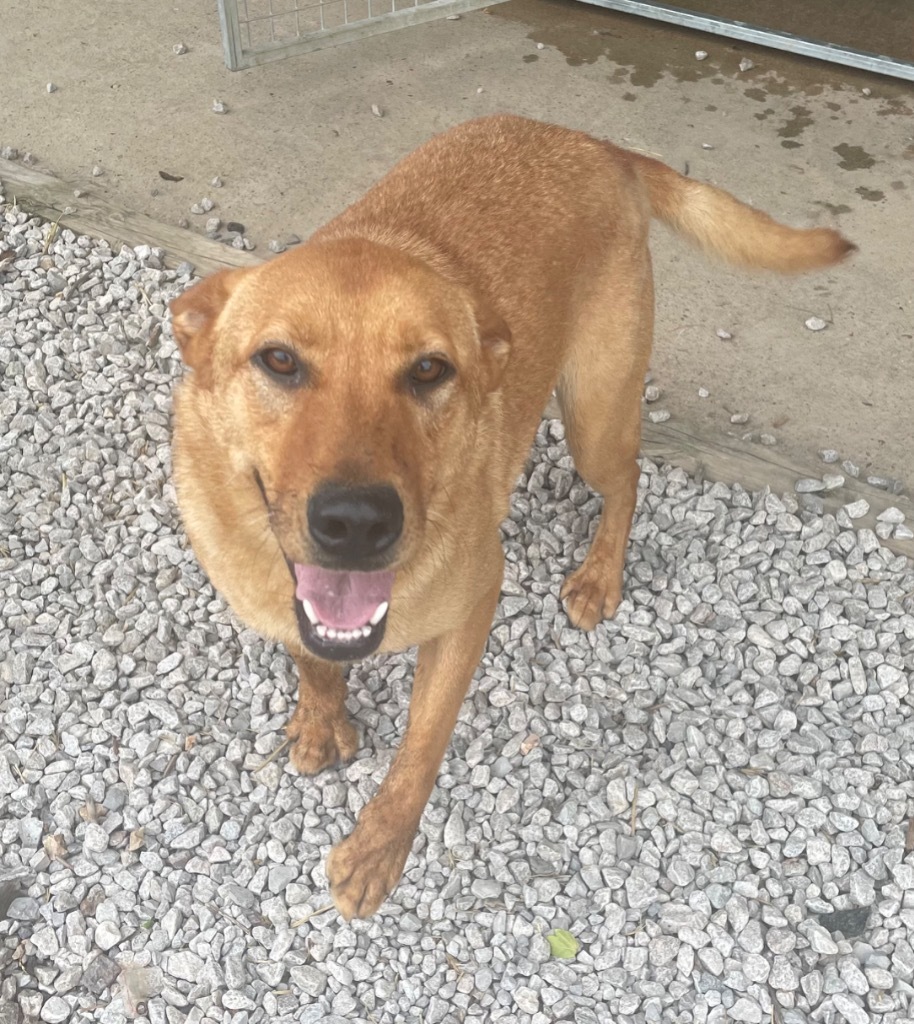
345,382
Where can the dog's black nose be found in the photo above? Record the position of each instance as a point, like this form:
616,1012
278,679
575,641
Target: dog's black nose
353,524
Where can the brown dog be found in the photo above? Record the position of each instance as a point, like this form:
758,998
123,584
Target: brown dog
360,409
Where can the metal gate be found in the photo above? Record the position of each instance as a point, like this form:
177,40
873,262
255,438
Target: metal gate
257,31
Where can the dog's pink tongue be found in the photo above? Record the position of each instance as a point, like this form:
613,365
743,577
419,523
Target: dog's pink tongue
343,600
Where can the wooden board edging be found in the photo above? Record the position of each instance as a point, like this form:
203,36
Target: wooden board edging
94,215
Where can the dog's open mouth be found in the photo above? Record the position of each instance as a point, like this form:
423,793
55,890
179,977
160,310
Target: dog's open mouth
341,615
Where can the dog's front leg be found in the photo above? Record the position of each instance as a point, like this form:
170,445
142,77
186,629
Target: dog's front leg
320,730
366,866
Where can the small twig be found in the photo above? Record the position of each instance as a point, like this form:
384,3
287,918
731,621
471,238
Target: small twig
170,767
282,746
52,234
314,913
909,838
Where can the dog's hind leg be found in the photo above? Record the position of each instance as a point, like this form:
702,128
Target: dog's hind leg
599,392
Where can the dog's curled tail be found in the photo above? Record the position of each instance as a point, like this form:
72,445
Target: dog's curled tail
733,231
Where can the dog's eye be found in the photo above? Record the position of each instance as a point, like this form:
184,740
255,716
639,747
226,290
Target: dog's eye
279,364
428,371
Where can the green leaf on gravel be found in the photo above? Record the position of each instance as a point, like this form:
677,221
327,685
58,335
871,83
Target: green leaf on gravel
563,944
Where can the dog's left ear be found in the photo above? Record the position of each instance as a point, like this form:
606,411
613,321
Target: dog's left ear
495,343
193,315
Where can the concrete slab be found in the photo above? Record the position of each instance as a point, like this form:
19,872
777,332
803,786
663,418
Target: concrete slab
808,143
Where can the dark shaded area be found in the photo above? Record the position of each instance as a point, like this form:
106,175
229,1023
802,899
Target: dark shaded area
849,923
886,28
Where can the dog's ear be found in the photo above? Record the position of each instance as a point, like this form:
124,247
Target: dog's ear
193,315
495,344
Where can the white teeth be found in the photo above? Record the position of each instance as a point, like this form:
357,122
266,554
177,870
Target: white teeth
344,636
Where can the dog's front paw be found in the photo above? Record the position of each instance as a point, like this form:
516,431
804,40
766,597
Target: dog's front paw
319,743
364,868
589,597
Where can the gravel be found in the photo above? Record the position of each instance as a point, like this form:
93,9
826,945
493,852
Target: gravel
712,792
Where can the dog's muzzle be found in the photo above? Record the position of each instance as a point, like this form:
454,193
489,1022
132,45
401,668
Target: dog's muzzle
341,604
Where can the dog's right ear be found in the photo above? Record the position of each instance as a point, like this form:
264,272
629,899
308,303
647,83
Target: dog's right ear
193,315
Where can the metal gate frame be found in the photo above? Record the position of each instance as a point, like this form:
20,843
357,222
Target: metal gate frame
239,55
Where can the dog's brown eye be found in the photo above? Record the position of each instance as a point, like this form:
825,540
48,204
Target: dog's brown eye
280,364
429,370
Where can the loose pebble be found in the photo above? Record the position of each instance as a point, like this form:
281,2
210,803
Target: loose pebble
808,485
857,509
891,515
816,323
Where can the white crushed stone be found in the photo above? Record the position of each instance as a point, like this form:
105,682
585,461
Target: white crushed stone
816,323
712,792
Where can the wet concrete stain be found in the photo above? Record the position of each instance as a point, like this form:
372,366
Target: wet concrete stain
584,35
792,144
871,194
853,158
895,106
529,58
833,208
796,125
630,96
898,186
652,50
